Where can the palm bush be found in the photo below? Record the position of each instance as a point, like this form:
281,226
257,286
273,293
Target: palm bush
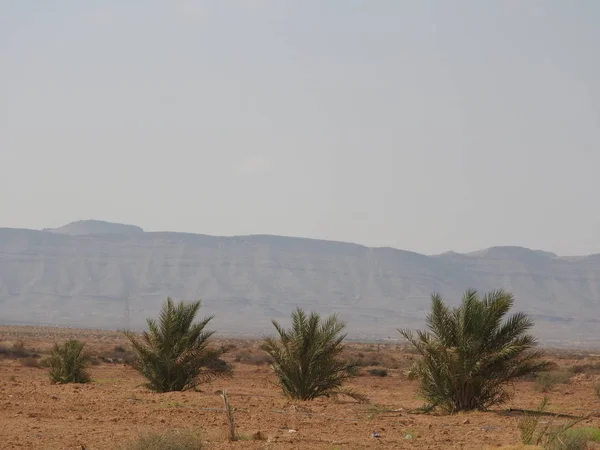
67,363
548,435
173,354
306,357
470,353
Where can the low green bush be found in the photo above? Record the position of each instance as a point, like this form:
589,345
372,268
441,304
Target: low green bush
67,363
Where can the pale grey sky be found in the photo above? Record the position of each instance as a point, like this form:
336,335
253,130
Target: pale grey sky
423,125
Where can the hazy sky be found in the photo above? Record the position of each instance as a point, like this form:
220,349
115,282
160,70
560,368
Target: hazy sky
423,125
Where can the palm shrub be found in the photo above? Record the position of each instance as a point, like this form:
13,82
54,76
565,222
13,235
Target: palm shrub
173,353
67,363
547,435
470,353
306,357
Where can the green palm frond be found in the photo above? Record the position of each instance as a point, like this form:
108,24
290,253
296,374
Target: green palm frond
470,353
67,363
306,357
173,354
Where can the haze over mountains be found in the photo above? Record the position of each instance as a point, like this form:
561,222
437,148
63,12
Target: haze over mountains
80,275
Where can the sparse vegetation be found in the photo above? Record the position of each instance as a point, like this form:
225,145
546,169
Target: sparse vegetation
545,381
247,357
592,368
470,353
170,440
173,354
550,436
588,434
306,357
378,372
374,411
67,363
260,415
118,355
17,350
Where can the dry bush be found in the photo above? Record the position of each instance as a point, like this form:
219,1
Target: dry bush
17,350
567,354
590,368
171,440
248,357
375,359
378,372
545,381
118,355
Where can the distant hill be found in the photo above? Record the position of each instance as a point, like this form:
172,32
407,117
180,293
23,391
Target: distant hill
81,274
90,227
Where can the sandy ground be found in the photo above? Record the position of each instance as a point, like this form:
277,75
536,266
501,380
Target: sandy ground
115,407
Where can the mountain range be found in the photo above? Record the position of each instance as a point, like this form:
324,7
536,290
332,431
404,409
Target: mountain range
105,275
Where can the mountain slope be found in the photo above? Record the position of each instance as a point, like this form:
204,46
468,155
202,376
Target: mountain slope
83,278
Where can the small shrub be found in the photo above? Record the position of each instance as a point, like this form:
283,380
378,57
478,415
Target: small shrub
17,350
171,440
375,410
545,381
550,436
378,372
219,365
67,363
588,434
374,359
242,356
246,357
592,368
567,441
368,362
118,355
173,354
259,436
597,388
306,357
469,354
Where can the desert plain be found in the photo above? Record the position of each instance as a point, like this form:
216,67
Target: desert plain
115,407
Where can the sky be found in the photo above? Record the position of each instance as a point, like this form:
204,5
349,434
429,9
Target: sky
422,125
